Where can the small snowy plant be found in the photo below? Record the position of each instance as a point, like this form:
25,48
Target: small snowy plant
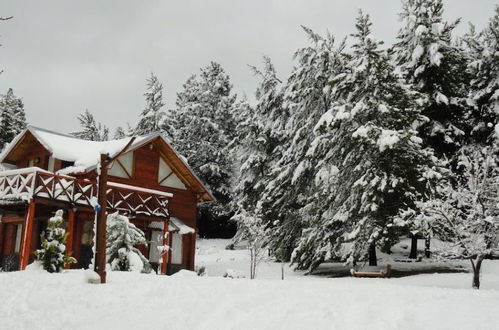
253,231
465,213
52,254
122,237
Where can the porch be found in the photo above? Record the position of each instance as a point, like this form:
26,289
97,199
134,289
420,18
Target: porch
28,197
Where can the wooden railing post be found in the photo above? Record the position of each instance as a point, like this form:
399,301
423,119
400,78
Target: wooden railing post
27,235
70,231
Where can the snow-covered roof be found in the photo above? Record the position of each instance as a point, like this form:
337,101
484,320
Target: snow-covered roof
176,224
86,154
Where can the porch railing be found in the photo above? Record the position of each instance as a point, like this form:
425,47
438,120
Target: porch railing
28,183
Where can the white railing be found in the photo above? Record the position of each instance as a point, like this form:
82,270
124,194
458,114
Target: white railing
33,182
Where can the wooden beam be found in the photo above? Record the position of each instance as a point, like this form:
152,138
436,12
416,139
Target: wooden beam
70,238
27,234
166,253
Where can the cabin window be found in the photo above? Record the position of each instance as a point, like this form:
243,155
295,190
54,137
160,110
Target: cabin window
65,164
123,166
51,166
176,248
34,162
167,178
19,230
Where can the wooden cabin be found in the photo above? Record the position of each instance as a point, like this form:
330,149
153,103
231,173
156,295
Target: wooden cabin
151,183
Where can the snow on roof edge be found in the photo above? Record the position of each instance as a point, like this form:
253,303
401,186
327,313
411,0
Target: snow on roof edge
181,226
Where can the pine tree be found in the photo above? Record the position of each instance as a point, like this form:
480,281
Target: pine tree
427,58
483,55
259,138
12,117
119,133
52,253
152,116
307,96
369,158
122,237
202,128
91,130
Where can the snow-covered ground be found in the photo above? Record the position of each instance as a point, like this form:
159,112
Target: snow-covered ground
38,300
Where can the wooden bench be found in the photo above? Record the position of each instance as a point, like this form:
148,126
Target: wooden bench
381,273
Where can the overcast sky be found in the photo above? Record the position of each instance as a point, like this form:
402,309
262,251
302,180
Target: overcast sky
63,57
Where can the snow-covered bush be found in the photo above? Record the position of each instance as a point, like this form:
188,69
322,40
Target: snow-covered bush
231,273
52,254
122,237
201,271
252,230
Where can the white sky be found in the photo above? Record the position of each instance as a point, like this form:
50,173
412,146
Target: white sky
64,56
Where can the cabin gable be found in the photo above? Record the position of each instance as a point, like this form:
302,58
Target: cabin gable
28,152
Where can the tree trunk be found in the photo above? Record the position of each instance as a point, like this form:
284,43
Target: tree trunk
414,247
476,271
427,243
373,260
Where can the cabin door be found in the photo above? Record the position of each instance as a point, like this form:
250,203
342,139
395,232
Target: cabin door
176,249
11,246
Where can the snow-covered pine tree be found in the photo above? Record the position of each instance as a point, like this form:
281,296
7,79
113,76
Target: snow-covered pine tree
152,117
122,237
91,130
12,117
307,96
427,58
370,160
202,128
52,253
119,133
179,116
259,139
483,55
464,213
259,132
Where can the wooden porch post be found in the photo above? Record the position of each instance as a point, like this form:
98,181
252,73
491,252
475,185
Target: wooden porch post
27,234
70,231
166,254
192,256
100,235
